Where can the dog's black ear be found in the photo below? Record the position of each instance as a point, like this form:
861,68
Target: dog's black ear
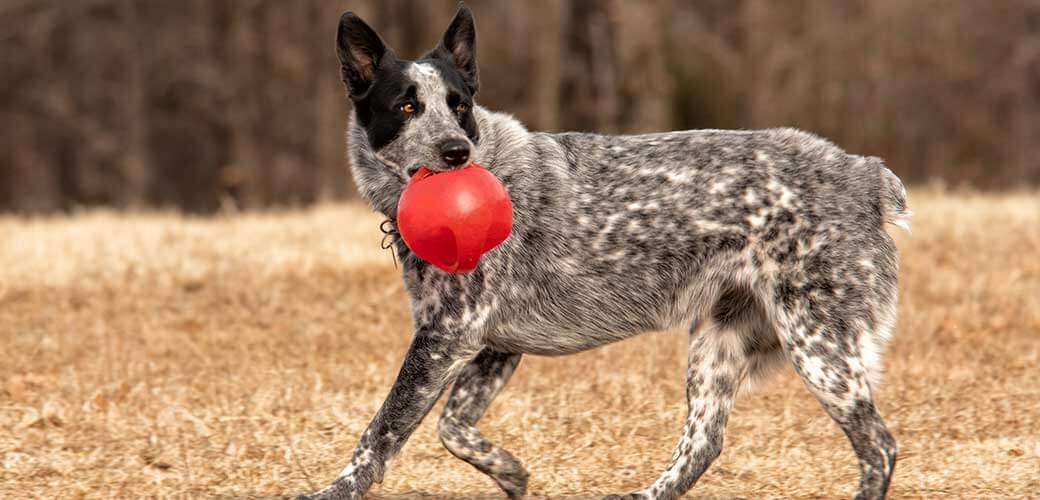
459,46
360,51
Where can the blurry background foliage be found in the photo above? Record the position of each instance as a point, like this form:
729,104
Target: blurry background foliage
204,104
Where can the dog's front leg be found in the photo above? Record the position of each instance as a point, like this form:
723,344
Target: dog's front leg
433,361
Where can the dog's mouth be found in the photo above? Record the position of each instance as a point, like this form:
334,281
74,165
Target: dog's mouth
413,171
422,173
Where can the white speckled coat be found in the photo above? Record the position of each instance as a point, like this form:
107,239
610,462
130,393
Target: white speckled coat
765,245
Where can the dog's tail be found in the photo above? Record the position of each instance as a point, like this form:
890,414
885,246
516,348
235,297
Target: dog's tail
894,209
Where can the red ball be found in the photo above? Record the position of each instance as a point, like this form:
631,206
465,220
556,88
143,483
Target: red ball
450,219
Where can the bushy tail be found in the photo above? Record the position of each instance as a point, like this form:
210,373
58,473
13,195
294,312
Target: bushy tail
893,198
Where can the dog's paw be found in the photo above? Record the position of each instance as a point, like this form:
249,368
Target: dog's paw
341,489
638,495
512,478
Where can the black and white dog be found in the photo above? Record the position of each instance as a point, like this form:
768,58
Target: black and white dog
765,245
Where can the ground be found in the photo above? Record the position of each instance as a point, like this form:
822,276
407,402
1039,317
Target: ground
156,355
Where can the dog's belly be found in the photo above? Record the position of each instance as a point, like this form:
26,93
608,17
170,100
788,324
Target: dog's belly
563,319
553,340
559,310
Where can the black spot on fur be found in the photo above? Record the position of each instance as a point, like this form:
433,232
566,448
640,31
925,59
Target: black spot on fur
736,303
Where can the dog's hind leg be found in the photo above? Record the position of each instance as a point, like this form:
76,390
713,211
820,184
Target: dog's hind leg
828,357
476,387
719,362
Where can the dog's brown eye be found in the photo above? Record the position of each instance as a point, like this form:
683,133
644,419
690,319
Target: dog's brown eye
408,107
461,108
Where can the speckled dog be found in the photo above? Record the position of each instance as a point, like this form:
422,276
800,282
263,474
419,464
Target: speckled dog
766,245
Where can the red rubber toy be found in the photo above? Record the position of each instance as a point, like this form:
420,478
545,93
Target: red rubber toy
450,219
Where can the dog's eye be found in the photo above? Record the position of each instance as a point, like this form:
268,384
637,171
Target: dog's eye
461,108
408,108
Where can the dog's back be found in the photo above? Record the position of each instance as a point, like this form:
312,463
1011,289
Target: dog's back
621,234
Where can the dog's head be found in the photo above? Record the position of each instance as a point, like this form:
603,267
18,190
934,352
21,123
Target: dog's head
414,113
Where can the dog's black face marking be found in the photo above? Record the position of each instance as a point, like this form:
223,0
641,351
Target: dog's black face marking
438,90
379,111
374,78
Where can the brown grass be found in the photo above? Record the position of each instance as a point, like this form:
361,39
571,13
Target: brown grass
156,355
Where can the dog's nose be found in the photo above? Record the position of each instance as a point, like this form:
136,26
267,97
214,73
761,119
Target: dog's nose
455,152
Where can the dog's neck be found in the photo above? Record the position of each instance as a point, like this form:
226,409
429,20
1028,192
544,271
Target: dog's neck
504,143
504,148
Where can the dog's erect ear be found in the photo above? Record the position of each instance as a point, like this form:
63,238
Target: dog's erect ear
360,51
459,46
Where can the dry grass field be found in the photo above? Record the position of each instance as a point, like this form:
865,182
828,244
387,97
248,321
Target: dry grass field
160,356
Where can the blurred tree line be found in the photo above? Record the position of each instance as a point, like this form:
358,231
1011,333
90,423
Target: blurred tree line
209,104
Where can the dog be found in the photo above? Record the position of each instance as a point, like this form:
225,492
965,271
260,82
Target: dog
765,245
